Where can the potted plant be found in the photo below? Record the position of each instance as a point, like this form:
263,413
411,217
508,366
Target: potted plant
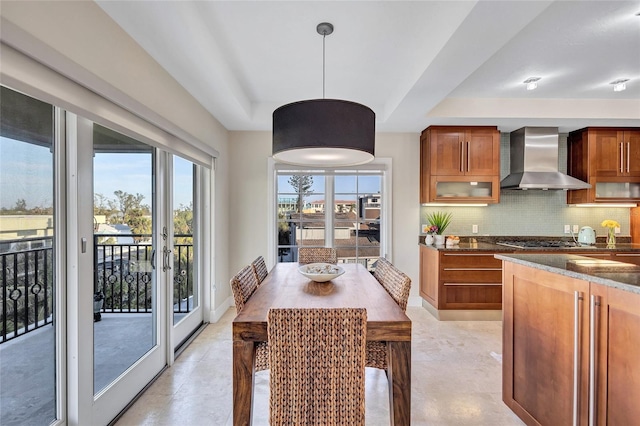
441,221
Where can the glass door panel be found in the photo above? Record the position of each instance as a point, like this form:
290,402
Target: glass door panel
28,380
184,273
125,288
185,296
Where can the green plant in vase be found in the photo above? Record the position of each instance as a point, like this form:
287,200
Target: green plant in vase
441,221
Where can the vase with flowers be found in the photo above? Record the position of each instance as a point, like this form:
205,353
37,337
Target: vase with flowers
611,235
430,230
440,221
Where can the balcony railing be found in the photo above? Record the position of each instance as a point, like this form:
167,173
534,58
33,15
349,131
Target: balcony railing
123,275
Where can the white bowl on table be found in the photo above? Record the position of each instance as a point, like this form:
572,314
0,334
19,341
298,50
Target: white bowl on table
321,272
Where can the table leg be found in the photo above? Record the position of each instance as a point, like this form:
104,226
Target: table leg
399,375
243,375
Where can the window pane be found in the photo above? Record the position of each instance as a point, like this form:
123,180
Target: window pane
28,340
357,219
301,213
124,278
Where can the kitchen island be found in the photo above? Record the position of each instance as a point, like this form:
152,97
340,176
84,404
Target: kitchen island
464,281
571,339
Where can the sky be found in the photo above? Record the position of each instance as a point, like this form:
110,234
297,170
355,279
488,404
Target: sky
26,172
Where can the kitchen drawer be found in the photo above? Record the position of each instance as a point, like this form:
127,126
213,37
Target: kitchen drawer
473,297
450,276
470,260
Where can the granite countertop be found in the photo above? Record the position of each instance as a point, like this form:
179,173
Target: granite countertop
470,244
623,276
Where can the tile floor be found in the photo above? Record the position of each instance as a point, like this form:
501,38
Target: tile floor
456,380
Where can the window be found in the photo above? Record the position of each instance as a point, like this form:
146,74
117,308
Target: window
345,209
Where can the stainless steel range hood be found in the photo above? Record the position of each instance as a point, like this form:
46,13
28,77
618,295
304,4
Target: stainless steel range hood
534,161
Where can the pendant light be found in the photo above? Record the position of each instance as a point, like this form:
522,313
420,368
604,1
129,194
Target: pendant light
324,132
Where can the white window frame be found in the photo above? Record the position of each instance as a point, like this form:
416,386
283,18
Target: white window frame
382,164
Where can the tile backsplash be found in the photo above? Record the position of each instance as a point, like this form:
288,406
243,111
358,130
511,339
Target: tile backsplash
529,212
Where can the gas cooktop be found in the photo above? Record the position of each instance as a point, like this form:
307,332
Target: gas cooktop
537,244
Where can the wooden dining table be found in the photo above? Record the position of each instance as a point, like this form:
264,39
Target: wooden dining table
285,287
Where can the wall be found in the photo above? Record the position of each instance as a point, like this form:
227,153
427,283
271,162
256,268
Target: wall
248,198
81,41
529,212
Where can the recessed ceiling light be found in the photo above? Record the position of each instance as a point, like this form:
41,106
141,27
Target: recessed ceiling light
620,84
532,83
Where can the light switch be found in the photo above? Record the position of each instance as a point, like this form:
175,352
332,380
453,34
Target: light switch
567,229
474,229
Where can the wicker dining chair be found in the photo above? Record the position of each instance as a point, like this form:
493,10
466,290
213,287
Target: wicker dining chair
317,254
260,269
317,358
398,285
382,269
243,285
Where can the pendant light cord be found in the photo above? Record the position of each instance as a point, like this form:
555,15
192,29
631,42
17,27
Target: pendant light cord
324,35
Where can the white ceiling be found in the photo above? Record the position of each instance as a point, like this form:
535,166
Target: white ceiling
415,63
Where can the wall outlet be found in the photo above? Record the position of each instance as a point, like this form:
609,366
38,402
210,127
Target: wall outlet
567,229
616,231
576,229
474,229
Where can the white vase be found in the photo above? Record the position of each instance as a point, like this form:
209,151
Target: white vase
439,239
428,239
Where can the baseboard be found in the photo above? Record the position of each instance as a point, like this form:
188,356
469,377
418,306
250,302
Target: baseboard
462,314
216,314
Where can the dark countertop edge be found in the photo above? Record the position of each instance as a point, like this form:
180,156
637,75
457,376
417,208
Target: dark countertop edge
483,246
545,262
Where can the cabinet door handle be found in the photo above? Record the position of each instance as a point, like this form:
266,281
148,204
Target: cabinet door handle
576,354
462,157
468,160
621,157
628,156
592,359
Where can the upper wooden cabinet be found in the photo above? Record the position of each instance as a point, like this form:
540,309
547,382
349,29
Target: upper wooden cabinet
460,164
607,158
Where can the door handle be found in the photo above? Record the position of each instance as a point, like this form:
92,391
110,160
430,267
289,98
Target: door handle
462,157
576,354
628,156
621,157
165,259
468,160
592,359
153,259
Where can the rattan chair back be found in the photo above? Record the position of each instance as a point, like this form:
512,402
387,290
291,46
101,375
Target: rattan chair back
317,359
382,268
398,285
260,269
317,254
243,285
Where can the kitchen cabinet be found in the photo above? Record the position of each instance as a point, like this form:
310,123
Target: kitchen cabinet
607,158
452,281
570,349
460,164
615,336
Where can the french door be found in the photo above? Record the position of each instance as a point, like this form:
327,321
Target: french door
119,235
184,228
101,236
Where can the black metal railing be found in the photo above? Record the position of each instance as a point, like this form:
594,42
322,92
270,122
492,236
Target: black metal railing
124,265
27,286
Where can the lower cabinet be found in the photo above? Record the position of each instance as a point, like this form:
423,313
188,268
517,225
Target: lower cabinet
571,349
460,280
